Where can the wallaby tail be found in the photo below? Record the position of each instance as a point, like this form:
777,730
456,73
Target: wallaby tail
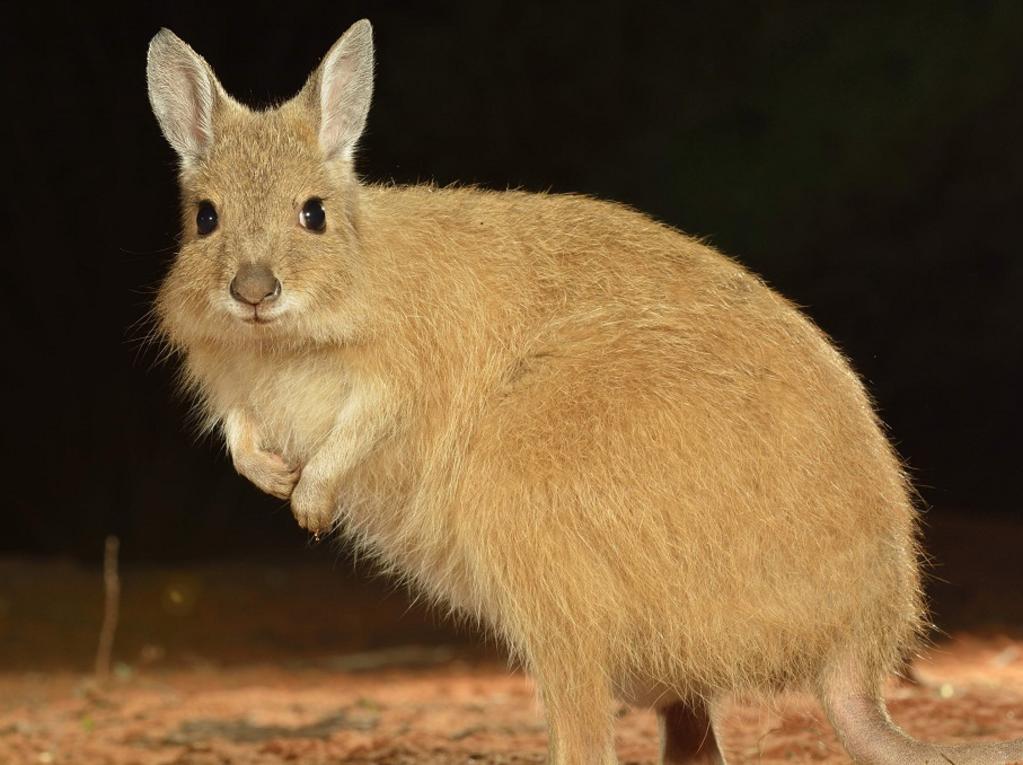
871,738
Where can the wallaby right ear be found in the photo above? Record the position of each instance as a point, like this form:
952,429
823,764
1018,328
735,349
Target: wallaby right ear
183,93
341,89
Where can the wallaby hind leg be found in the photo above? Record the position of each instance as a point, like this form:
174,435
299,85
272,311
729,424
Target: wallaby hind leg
580,720
687,735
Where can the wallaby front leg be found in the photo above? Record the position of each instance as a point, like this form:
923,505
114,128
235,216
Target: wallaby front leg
268,471
360,424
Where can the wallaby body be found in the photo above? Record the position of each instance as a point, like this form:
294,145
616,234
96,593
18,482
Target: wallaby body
647,472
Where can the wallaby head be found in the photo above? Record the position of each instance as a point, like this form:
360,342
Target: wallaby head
269,198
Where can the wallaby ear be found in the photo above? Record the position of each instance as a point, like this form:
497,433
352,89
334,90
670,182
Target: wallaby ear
341,90
183,93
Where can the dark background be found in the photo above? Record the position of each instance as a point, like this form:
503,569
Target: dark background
865,159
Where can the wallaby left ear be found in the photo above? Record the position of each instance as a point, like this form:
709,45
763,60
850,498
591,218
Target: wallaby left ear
184,94
341,89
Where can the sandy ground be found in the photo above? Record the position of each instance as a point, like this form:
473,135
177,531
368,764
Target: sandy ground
303,660
421,705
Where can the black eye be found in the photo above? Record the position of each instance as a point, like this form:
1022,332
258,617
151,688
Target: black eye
206,218
312,215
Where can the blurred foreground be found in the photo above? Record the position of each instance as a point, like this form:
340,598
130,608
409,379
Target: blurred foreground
284,660
454,712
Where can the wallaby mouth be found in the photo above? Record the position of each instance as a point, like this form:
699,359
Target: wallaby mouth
256,315
255,293
256,319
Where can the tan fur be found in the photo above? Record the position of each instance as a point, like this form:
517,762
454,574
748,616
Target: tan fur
643,469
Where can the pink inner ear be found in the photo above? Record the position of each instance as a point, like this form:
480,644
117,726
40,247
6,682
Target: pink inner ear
199,137
194,107
334,106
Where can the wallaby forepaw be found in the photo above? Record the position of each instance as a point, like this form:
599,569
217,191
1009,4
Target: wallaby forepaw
312,504
269,472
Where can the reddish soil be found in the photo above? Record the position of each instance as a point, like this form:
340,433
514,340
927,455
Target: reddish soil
454,712
303,661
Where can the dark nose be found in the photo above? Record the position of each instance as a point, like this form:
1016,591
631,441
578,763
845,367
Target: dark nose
255,284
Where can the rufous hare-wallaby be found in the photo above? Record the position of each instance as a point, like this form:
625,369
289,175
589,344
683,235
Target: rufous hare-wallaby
645,471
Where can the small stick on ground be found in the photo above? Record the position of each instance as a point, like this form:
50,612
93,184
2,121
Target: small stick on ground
111,605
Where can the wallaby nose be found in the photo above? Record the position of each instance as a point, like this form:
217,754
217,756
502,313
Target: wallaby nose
255,284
